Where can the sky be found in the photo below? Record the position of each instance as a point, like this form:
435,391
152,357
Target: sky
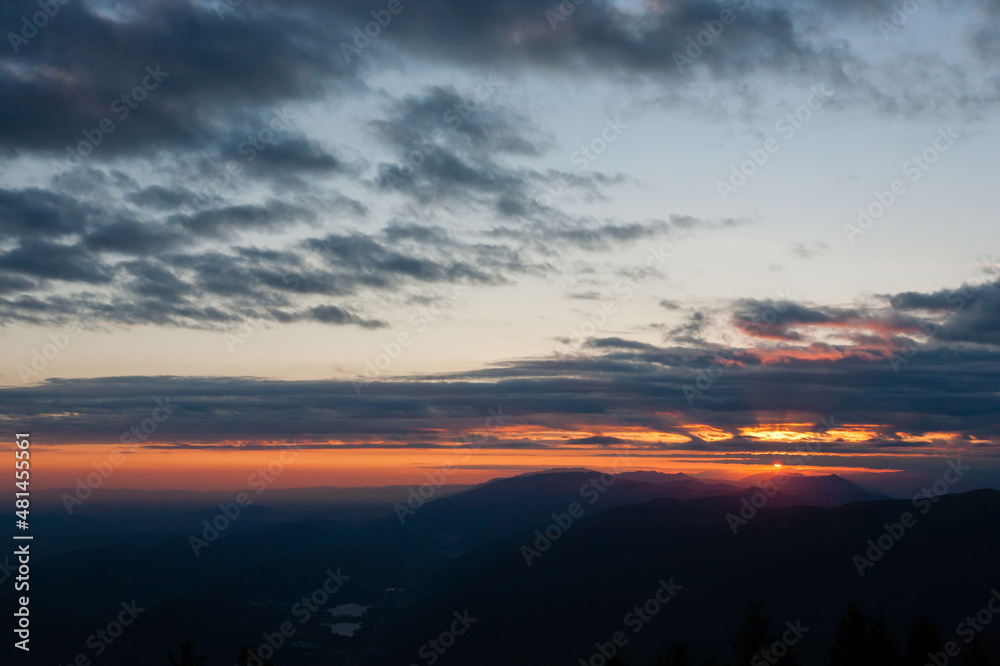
490,238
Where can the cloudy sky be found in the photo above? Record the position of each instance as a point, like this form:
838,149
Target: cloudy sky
703,233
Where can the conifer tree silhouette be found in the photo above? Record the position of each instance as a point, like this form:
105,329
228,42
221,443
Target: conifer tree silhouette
923,637
753,636
978,653
862,641
188,656
618,660
678,654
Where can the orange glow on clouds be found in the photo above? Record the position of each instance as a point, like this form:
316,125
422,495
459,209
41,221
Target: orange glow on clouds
539,433
817,352
776,433
798,432
639,434
929,436
226,465
709,433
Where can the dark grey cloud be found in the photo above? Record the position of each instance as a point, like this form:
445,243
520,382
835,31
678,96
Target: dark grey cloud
472,119
222,79
968,314
971,312
299,154
911,326
69,77
280,159
47,260
625,385
229,220
331,314
797,322
692,331
227,69
37,212
379,262
595,235
129,236
599,36
616,343
32,213
777,319
451,146
154,282
159,197
453,150
137,273
554,229
15,284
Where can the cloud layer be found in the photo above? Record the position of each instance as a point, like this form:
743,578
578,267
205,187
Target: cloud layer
170,129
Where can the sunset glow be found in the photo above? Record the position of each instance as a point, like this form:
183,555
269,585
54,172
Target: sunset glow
460,333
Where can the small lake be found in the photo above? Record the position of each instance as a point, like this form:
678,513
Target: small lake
345,628
348,610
